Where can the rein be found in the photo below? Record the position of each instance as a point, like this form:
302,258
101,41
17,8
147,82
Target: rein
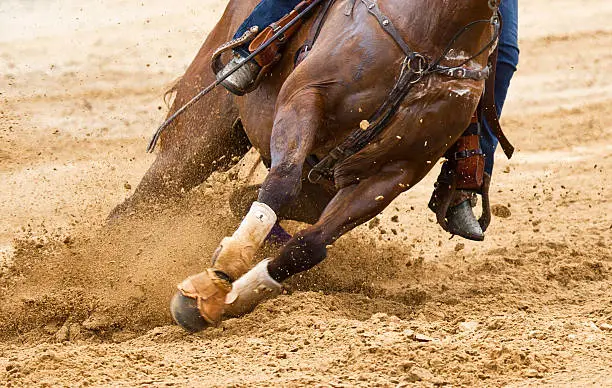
414,67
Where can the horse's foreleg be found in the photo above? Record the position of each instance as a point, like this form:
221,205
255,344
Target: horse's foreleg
293,136
307,207
352,206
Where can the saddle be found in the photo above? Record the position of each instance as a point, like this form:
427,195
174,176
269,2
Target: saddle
269,47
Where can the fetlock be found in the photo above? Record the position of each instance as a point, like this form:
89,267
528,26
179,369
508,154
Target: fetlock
251,289
234,257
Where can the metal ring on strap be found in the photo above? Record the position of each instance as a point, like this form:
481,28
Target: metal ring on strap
418,64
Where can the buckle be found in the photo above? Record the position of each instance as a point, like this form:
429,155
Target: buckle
417,64
459,155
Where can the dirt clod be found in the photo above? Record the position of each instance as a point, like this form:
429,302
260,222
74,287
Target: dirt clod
418,374
501,211
468,327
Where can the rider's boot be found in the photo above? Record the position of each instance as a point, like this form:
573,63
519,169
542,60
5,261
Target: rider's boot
249,75
200,301
242,80
251,289
461,219
461,179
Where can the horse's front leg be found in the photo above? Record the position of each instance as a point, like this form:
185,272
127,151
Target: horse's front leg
201,298
350,207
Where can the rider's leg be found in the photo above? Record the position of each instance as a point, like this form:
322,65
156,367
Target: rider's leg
350,207
461,218
266,13
507,61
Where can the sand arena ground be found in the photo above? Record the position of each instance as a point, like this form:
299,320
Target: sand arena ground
397,303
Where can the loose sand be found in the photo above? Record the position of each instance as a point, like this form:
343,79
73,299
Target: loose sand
396,303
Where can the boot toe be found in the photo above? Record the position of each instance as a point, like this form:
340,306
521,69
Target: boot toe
242,79
462,222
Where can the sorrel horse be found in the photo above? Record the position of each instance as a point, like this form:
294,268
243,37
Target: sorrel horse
309,110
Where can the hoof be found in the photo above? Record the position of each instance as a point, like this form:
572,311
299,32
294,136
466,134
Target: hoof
185,313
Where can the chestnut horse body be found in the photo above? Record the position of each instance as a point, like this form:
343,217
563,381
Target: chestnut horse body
343,80
310,109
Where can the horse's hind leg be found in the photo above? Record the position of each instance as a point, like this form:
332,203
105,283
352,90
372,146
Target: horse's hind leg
202,140
350,207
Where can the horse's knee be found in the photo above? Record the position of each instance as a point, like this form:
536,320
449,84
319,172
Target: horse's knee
282,186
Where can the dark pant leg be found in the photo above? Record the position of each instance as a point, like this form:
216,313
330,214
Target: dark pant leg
266,13
507,62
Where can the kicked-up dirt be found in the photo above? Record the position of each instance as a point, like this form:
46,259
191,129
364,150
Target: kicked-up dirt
397,303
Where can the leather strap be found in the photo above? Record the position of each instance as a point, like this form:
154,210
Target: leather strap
388,26
314,32
485,218
465,73
489,109
467,154
440,202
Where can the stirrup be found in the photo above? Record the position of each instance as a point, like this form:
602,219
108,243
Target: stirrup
244,79
216,63
456,218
